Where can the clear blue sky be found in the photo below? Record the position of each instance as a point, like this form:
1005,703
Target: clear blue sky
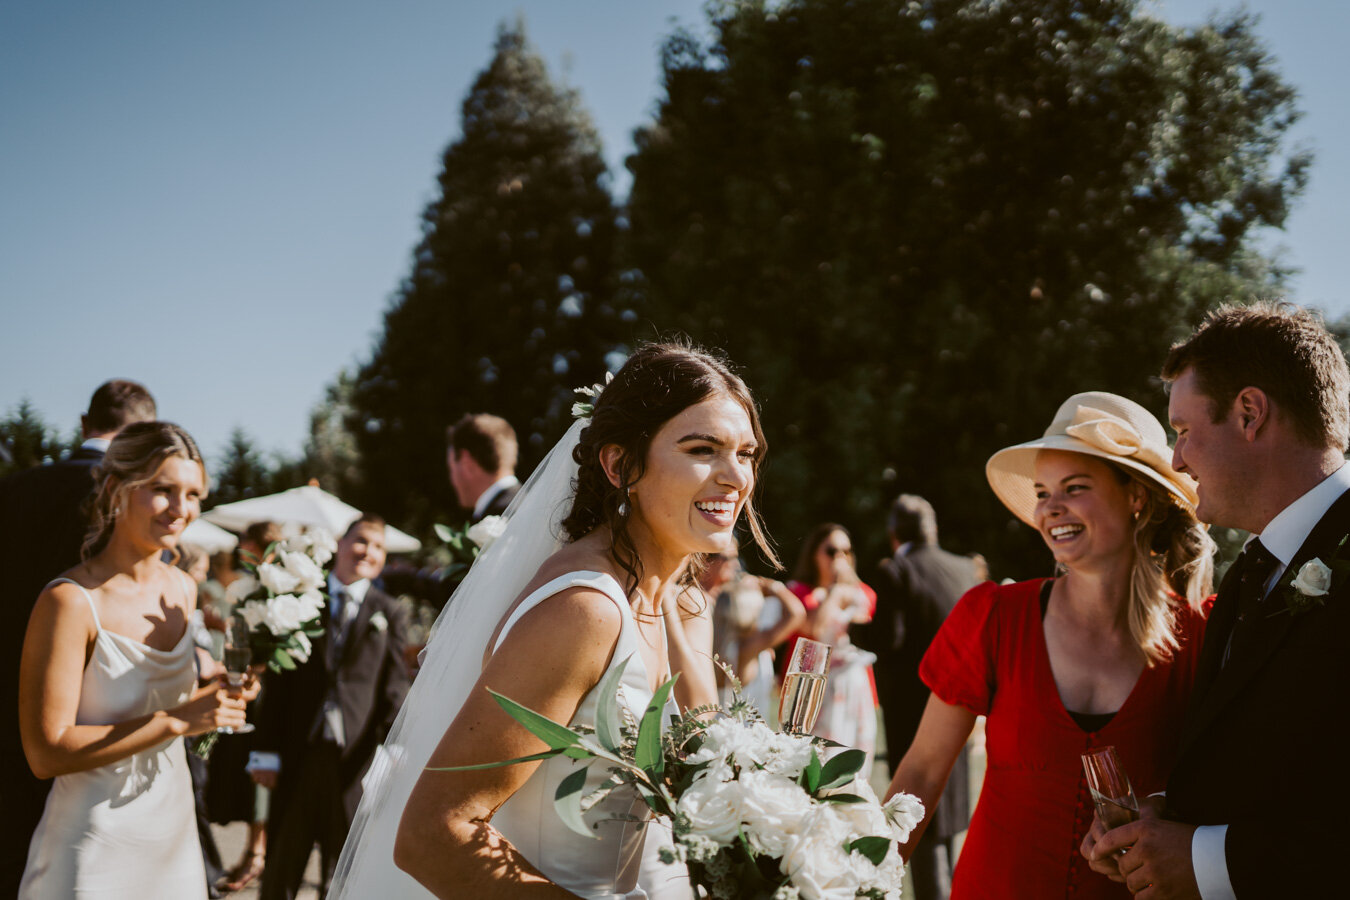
218,199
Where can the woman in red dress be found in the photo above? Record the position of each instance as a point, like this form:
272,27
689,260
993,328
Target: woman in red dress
1103,654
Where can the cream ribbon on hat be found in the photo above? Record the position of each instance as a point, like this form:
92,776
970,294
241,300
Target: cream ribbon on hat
1114,435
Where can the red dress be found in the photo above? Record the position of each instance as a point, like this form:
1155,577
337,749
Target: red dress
990,658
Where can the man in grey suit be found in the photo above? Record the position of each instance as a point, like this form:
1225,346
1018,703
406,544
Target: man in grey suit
916,589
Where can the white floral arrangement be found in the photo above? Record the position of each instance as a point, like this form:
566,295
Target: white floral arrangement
283,598
467,544
756,813
1313,582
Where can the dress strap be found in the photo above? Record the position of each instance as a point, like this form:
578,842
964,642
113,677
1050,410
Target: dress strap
600,581
88,596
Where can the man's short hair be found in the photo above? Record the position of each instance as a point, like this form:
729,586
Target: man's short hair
1284,350
366,518
117,404
911,520
489,440
263,534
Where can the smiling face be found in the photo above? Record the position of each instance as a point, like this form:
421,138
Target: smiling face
1083,510
1211,453
155,512
698,477
360,553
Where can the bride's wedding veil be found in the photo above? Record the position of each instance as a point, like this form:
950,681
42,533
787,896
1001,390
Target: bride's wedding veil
451,666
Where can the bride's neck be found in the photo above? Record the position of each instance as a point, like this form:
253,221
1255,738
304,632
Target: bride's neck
656,569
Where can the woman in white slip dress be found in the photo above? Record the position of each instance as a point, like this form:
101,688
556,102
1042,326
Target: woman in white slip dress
108,689
660,473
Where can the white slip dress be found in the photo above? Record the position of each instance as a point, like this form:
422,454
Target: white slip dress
127,830
606,869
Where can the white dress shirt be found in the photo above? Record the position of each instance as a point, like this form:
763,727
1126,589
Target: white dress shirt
1283,537
491,493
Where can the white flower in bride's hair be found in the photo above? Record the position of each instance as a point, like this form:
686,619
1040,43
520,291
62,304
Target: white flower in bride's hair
1314,579
277,578
309,576
486,530
581,409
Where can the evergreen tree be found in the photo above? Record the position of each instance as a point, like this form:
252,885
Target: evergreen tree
919,226
331,454
242,472
27,440
509,302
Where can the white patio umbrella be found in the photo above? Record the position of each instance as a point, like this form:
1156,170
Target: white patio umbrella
211,538
307,505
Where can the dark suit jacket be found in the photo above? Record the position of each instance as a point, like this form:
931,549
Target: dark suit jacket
498,504
915,592
41,528
371,681
1258,751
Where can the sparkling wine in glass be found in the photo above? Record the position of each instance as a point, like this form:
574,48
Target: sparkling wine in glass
237,656
803,686
1110,788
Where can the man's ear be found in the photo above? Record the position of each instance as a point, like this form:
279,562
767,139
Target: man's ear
1253,411
611,460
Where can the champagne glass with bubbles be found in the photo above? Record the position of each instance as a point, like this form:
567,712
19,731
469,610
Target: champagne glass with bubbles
803,686
1110,788
238,654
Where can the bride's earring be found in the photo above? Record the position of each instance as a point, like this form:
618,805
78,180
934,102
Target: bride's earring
623,504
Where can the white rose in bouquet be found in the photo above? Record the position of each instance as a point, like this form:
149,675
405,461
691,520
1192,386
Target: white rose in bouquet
277,579
283,614
311,605
306,648
486,530
254,612
863,818
240,588
308,575
815,858
773,809
904,812
710,806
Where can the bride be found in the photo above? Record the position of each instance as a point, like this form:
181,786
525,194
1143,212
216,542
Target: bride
661,472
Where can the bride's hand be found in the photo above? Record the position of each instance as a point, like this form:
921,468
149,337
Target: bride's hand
211,707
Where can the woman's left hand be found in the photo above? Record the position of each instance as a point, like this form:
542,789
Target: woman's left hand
252,684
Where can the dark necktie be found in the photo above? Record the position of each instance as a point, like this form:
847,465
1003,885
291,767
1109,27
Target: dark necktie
337,632
1257,564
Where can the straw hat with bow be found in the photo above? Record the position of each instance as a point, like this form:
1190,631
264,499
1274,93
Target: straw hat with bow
1098,424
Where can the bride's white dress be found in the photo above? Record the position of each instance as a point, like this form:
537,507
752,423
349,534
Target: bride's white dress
127,830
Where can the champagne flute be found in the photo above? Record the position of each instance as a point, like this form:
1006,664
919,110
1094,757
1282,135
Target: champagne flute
1110,788
803,686
238,654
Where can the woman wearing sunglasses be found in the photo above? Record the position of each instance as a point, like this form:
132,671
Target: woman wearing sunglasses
826,580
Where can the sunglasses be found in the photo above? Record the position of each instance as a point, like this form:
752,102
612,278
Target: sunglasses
832,552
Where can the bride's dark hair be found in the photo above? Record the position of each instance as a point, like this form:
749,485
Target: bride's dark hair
656,384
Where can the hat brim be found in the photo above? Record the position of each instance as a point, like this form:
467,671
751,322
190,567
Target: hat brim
1012,474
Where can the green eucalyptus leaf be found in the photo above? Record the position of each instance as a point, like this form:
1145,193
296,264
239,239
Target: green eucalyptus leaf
648,756
843,798
547,754
443,532
567,801
608,724
558,737
281,661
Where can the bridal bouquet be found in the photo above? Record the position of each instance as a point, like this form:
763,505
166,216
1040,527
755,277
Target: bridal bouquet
756,813
283,597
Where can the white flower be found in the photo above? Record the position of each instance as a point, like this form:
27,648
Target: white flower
1314,579
379,622
283,614
711,810
240,588
904,812
302,655
278,579
773,809
254,612
305,570
311,605
866,818
486,530
814,857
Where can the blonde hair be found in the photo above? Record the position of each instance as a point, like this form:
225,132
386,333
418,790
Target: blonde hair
1173,566
133,458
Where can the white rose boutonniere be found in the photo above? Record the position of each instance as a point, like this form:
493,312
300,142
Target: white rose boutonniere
1314,579
485,531
1313,582
379,623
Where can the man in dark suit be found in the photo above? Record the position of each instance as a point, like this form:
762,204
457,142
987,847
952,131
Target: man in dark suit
1256,805
42,526
319,725
481,456
916,589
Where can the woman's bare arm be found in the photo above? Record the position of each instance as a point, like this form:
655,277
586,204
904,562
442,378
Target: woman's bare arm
56,648
548,662
928,762
689,636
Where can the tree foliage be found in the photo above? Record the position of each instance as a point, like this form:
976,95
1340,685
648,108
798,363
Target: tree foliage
26,440
919,226
509,302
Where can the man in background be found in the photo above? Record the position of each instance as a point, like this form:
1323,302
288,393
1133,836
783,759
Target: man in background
916,589
42,525
481,456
